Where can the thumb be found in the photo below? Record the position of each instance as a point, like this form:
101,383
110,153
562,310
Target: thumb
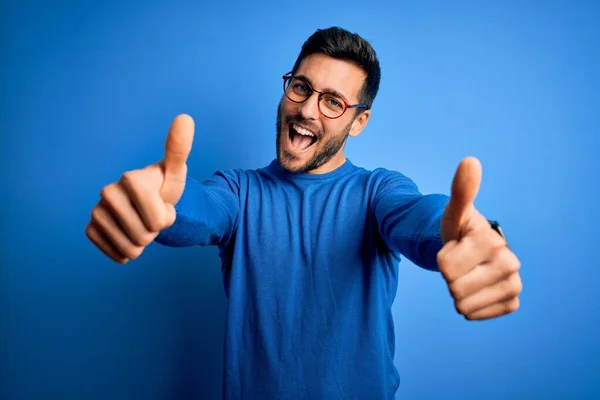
459,209
177,150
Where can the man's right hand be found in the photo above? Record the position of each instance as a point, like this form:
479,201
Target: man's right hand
133,210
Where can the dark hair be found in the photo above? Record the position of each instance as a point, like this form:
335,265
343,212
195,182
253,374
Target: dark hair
344,45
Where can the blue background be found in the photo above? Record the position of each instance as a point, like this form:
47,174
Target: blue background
89,90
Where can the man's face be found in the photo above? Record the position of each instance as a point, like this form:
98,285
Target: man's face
321,149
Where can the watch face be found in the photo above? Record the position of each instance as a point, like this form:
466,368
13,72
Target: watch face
496,226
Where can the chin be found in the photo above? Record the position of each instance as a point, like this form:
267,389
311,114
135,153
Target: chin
292,163
292,158
303,148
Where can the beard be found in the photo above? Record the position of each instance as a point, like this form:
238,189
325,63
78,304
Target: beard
329,146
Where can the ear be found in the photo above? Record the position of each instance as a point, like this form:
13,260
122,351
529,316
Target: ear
359,123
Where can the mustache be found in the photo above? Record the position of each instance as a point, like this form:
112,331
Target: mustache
297,119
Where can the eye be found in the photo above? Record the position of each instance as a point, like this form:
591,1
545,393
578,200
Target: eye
333,102
301,87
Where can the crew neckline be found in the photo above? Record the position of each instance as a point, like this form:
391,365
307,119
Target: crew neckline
278,169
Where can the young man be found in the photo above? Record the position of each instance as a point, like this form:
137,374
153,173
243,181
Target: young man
310,244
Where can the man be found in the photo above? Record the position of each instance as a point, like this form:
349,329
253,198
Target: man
310,244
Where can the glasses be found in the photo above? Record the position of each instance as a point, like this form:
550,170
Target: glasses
330,105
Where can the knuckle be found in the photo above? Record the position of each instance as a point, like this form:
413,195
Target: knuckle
513,305
505,262
496,248
499,254
133,181
445,266
442,259
107,192
456,291
461,308
514,264
515,285
510,268
155,224
170,216
143,239
134,252
89,232
518,288
510,263
136,180
513,290
137,239
97,214
130,177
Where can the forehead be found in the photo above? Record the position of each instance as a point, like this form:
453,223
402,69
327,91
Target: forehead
325,73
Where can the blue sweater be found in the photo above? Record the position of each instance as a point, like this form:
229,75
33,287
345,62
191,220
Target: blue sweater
310,266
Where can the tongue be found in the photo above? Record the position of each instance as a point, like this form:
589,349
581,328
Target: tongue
301,142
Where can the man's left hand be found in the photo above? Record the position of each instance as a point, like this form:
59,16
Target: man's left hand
482,273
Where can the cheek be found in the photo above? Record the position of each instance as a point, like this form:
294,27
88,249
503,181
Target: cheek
333,128
287,108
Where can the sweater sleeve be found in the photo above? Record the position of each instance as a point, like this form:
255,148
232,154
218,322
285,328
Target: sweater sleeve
206,213
408,221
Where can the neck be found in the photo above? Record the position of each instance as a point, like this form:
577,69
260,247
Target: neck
335,162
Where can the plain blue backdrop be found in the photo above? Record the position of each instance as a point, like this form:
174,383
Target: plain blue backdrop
89,90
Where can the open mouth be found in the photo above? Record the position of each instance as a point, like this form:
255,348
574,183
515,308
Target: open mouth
301,138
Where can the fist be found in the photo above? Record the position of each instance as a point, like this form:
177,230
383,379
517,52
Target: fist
133,210
482,273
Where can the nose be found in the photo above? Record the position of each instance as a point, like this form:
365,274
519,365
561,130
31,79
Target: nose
310,108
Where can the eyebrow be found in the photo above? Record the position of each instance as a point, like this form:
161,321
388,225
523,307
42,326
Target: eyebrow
328,90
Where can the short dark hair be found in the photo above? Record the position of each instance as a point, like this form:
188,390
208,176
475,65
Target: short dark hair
344,45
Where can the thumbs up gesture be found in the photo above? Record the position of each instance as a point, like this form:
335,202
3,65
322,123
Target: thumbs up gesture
481,272
132,211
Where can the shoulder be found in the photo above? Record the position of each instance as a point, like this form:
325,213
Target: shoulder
384,179
235,178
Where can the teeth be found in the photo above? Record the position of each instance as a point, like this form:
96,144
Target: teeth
302,131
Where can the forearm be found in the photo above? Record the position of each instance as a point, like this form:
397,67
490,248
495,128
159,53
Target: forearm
206,215
414,229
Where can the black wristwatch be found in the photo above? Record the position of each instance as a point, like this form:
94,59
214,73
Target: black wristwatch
496,226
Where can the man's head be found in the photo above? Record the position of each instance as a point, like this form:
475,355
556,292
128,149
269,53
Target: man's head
327,97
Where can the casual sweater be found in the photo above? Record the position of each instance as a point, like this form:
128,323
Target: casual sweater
310,269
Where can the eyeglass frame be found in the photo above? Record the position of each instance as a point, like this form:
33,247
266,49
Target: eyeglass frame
289,76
